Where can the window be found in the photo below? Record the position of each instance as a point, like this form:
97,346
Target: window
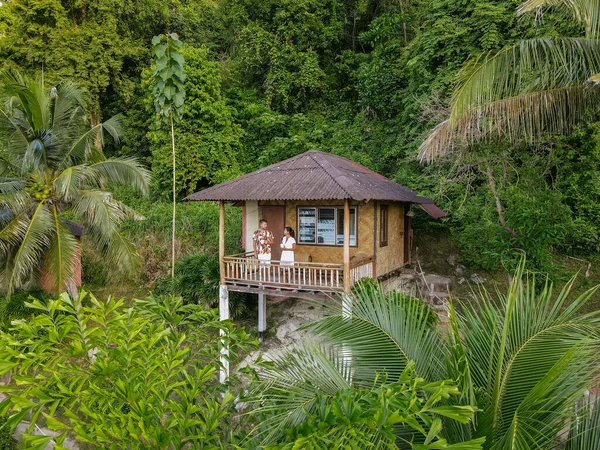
383,226
307,230
340,226
325,226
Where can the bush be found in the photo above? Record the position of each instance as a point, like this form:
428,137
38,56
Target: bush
197,279
6,440
14,307
137,377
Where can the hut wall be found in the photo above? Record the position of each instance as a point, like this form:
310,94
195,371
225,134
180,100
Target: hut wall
331,253
391,256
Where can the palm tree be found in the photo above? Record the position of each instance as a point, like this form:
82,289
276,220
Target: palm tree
51,168
533,87
523,360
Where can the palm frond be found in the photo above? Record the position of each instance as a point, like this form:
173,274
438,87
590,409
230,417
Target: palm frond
83,148
8,185
584,433
68,101
28,253
12,232
383,333
16,201
530,65
293,385
520,92
584,11
32,99
529,358
61,258
73,178
102,216
123,171
527,116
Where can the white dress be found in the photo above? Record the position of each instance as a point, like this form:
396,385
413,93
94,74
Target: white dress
287,257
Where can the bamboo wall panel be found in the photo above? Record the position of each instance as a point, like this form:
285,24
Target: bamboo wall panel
391,257
334,254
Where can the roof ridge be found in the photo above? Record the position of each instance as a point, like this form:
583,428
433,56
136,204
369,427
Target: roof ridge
330,176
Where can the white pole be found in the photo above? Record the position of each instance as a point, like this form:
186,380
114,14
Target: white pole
224,315
347,368
262,316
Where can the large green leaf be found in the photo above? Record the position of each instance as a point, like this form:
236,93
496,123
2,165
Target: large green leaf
382,333
521,92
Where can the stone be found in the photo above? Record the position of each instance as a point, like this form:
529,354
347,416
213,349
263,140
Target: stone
477,279
459,269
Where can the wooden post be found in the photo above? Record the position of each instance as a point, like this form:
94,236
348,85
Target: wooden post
262,316
222,241
224,315
347,246
223,295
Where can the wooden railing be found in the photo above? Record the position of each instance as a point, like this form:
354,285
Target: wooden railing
364,268
244,269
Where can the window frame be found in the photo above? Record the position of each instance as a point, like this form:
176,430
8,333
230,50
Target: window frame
335,225
384,228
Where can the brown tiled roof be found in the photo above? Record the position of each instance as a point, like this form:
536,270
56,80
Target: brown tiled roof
312,175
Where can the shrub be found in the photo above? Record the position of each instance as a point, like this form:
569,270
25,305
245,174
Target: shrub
15,307
6,440
135,377
197,279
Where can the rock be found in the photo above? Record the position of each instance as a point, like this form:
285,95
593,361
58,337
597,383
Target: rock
477,279
461,280
451,260
459,269
285,330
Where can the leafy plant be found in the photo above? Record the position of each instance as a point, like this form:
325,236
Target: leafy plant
335,414
197,279
525,90
118,377
169,95
6,440
51,165
523,360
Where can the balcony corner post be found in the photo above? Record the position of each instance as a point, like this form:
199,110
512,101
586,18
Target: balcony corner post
224,315
222,241
262,317
347,246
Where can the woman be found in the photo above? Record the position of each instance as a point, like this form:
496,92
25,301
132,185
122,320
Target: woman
288,247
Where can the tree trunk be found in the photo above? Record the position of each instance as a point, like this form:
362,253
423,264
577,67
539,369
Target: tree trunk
492,184
174,197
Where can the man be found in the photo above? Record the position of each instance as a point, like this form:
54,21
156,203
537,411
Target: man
263,239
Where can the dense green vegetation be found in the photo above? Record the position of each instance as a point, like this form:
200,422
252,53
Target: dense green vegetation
509,373
239,84
364,79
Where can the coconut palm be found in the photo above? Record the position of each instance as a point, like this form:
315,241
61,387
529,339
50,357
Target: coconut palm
536,86
523,359
52,167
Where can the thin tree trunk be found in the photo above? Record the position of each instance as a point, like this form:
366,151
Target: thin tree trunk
404,24
492,183
174,197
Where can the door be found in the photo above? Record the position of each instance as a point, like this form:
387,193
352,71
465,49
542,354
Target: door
408,238
275,217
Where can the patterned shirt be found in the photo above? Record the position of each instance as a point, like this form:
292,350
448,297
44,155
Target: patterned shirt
261,237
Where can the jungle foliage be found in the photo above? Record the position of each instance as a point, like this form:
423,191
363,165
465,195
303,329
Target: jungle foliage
364,79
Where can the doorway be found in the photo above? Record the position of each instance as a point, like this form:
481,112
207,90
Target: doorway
408,239
275,217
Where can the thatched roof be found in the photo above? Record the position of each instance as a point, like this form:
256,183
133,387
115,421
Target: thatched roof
312,175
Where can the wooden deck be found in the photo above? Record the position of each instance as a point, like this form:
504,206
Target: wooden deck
244,273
